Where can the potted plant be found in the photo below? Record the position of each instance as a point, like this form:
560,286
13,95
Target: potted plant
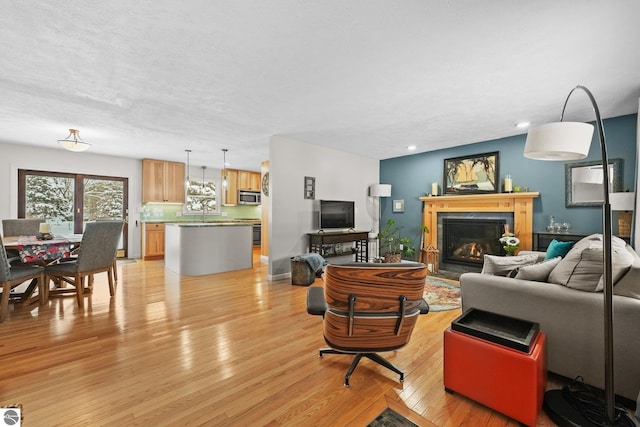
393,245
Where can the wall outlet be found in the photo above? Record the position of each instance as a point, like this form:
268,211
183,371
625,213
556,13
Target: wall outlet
178,213
224,213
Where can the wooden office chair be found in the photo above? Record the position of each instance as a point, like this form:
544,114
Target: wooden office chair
96,255
11,277
369,308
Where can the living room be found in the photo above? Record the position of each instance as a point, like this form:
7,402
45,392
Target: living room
345,121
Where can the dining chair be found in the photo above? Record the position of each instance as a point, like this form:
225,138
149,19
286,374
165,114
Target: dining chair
368,308
96,255
20,227
13,276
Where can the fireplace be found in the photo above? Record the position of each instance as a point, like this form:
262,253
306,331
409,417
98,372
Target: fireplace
466,241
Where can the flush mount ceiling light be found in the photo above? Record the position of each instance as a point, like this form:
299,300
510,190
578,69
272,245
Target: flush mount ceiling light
73,142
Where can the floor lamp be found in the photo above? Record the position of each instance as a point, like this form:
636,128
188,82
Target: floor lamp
562,141
376,191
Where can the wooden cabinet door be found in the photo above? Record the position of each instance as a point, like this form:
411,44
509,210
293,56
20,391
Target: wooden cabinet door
231,191
154,241
152,181
254,181
174,182
243,180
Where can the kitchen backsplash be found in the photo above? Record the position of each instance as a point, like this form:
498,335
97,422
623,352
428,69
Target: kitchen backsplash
169,212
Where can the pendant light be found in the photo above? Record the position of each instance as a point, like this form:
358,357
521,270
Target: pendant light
73,142
224,167
186,184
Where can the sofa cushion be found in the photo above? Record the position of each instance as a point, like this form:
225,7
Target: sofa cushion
629,285
537,272
558,249
582,267
502,265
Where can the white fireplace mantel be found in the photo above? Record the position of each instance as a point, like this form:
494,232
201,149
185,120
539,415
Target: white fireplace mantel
520,204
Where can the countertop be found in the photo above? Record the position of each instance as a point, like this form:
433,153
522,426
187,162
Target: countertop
206,221
209,224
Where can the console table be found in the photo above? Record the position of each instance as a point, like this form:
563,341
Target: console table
324,243
541,240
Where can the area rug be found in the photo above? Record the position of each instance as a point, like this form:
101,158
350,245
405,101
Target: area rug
442,294
390,418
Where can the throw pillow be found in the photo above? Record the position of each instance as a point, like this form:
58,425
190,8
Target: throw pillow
558,249
582,267
537,272
502,265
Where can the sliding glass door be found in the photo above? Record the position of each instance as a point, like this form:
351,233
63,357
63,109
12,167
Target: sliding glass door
69,201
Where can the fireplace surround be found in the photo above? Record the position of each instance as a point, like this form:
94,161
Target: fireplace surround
520,205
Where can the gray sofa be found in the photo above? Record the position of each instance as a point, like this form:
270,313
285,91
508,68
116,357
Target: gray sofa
572,319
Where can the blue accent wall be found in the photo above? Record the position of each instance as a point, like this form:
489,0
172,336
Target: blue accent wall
411,177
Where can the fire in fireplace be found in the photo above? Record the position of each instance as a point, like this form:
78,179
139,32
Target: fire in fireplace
467,240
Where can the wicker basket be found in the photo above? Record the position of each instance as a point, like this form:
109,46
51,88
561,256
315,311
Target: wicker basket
392,258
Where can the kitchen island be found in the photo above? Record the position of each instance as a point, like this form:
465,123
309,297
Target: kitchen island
196,249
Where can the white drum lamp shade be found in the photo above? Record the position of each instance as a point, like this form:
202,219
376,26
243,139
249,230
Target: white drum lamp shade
380,190
559,141
622,201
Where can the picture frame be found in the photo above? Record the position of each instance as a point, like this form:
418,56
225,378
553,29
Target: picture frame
309,187
398,206
474,174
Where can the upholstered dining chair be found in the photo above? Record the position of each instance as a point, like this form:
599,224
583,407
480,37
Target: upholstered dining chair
12,276
369,308
95,255
20,227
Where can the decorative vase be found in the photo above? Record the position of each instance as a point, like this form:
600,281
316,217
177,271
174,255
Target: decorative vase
392,258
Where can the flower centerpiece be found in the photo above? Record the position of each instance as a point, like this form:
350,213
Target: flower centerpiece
510,242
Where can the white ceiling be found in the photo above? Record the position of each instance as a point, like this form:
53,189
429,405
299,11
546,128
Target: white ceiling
152,78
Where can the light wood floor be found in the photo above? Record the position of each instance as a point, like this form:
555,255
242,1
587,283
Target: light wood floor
229,349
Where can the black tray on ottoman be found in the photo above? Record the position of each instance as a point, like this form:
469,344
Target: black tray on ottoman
510,332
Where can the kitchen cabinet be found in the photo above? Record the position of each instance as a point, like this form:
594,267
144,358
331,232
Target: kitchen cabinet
153,241
231,190
248,180
239,180
162,181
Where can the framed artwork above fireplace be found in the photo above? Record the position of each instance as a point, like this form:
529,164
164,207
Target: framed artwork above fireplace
478,173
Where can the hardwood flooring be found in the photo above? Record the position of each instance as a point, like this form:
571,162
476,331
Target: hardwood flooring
229,349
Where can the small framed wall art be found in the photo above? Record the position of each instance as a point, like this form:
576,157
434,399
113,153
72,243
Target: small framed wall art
309,187
398,205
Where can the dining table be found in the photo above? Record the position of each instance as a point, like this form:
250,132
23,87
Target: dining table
37,251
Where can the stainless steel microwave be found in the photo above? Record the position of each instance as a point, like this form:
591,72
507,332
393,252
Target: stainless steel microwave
246,197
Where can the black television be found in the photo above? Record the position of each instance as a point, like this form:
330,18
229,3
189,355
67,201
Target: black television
337,214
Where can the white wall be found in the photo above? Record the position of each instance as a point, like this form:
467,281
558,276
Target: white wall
339,176
16,157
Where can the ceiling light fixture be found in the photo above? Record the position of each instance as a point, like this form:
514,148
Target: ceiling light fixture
522,125
411,147
224,167
186,184
73,142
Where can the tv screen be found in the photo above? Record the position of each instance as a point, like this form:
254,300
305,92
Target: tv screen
336,214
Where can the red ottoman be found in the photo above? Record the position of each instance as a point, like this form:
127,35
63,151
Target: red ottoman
507,380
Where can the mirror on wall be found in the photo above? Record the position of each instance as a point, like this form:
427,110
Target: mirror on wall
583,182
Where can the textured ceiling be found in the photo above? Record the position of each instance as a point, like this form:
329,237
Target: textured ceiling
153,78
